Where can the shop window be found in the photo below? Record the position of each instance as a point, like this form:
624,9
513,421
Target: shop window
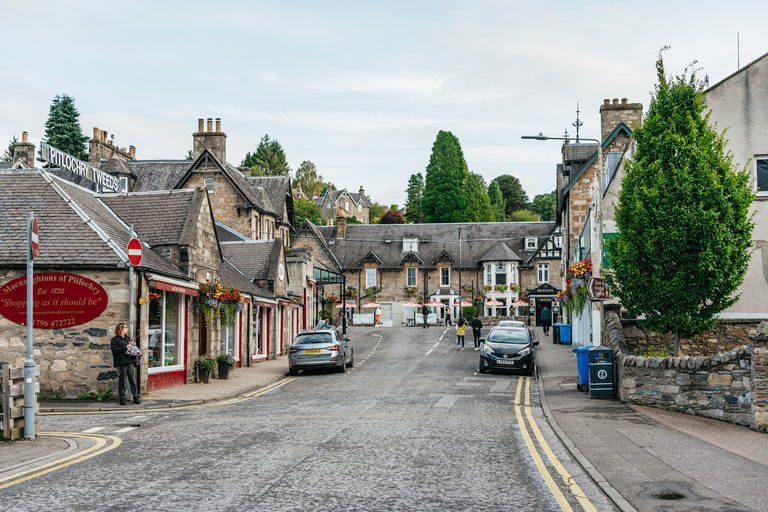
411,276
166,311
230,338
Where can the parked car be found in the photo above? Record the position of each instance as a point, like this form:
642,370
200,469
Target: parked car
509,349
321,348
510,323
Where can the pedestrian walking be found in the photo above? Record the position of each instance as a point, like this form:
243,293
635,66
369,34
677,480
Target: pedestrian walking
546,319
477,326
448,317
461,328
425,314
124,359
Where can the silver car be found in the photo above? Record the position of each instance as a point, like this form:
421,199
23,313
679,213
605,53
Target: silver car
320,348
510,323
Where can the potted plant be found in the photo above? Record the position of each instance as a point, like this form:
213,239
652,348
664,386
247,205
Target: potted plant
487,288
371,290
204,365
467,287
500,288
410,290
226,362
351,291
514,287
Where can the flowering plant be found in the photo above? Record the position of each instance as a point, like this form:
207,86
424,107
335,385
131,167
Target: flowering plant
332,299
514,287
371,290
205,362
500,288
217,299
575,297
467,287
487,288
351,291
410,290
226,358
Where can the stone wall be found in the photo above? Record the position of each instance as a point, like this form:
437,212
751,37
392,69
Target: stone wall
730,386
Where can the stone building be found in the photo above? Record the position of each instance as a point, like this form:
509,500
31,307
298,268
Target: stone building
442,262
343,203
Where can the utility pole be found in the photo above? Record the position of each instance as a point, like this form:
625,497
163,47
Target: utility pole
461,295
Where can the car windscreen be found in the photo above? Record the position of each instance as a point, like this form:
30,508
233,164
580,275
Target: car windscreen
517,336
307,339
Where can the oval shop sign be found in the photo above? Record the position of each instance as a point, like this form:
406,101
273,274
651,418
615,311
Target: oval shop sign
61,300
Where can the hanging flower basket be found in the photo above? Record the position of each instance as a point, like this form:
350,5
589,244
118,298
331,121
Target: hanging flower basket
219,300
351,291
332,299
487,288
410,290
514,287
575,297
467,288
371,291
500,288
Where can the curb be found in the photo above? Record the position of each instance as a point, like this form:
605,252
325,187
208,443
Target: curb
148,406
591,470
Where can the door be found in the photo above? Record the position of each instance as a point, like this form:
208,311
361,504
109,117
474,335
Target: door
386,314
540,304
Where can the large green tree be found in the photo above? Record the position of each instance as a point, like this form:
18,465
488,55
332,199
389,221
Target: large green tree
497,202
684,229
62,129
478,204
544,206
311,182
306,209
443,199
376,210
8,154
415,191
268,160
512,192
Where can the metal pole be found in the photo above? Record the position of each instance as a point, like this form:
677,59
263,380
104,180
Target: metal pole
461,295
30,398
599,217
130,289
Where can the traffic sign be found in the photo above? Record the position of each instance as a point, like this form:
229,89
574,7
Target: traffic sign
34,239
134,251
597,289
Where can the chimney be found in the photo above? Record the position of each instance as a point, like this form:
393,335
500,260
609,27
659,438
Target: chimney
24,151
245,170
215,142
132,152
298,187
611,115
362,192
341,227
201,124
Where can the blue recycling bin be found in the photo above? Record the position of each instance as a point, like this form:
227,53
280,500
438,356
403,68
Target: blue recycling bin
565,334
582,361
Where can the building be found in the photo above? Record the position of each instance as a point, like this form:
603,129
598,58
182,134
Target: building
343,203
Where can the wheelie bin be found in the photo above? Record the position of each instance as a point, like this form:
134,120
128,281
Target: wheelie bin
582,362
565,334
600,372
555,333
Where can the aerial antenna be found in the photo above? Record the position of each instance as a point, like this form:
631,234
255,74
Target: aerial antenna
577,123
565,135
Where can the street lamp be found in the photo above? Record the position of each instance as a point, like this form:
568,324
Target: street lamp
598,208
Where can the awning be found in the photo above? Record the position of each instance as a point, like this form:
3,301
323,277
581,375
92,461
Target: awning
173,285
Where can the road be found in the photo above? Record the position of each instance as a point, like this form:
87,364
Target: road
413,426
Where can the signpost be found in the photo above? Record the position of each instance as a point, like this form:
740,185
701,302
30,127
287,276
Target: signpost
597,289
30,397
134,252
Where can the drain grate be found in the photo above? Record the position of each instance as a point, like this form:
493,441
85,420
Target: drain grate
668,495
668,491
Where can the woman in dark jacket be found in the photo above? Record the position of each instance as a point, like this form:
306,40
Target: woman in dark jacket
124,363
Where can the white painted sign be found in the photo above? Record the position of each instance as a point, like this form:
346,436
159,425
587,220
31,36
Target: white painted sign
72,164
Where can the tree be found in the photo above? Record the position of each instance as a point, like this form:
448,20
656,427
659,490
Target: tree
190,155
497,202
8,155
62,129
524,215
684,229
268,160
311,182
376,210
443,199
512,192
306,209
392,217
413,203
478,205
544,206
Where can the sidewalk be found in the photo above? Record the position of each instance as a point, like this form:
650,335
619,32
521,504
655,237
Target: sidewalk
651,459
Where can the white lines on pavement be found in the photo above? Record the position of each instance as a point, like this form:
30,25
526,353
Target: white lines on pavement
430,350
93,430
126,429
436,344
139,417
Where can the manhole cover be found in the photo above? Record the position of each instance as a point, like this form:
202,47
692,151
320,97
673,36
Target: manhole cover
669,491
668,495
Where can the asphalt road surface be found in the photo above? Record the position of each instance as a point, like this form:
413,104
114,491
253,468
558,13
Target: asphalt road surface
413,426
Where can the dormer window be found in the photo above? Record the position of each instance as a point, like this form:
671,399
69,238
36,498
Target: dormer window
410,244
531,243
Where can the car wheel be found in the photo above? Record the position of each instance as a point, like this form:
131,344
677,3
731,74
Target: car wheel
343,367
293,371
351,363
481,369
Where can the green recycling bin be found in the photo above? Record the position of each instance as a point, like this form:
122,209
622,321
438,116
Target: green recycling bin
555,333
600,372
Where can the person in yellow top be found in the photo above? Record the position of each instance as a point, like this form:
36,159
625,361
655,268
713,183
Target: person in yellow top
461,328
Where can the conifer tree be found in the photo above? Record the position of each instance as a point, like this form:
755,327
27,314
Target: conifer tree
497,202
62,129
684,228
8,155
443,199
415,191
478,205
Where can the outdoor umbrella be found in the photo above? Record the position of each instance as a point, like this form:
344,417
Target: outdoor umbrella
494,302
371,305
435,303
519,303
463,303
349,305
411,304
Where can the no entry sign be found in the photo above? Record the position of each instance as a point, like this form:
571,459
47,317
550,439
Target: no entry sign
34,244
134,252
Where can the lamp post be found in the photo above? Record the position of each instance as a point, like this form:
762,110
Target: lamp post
598,208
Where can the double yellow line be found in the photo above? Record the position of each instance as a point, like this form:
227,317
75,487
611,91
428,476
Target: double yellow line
235,400
103,445
574,488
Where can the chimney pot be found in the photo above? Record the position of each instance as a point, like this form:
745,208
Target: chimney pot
615,101
103,135
210,124
24,137
96,133
132,151
623,101
606,101
200,124
218,124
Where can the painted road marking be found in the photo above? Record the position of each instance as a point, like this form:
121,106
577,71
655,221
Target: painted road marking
93,430
436,344
430,350
97,449
126,429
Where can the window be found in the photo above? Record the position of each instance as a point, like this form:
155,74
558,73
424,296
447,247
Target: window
543,272
501,274
125,183
445,276
488,275
558,241
370,277
166,310
410,244
761,165
230,338
411,276
359,208
530,243
208,184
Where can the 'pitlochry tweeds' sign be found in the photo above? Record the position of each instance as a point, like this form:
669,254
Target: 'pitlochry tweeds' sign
61,300
80,168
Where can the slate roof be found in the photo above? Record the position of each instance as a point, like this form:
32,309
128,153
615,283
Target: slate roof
334,195
117,165
578,152
251,257
139,209
154,175
277,190
386,241
76,228
227,234
231,276
500,252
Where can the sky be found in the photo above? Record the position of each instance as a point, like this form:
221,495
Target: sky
360,89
